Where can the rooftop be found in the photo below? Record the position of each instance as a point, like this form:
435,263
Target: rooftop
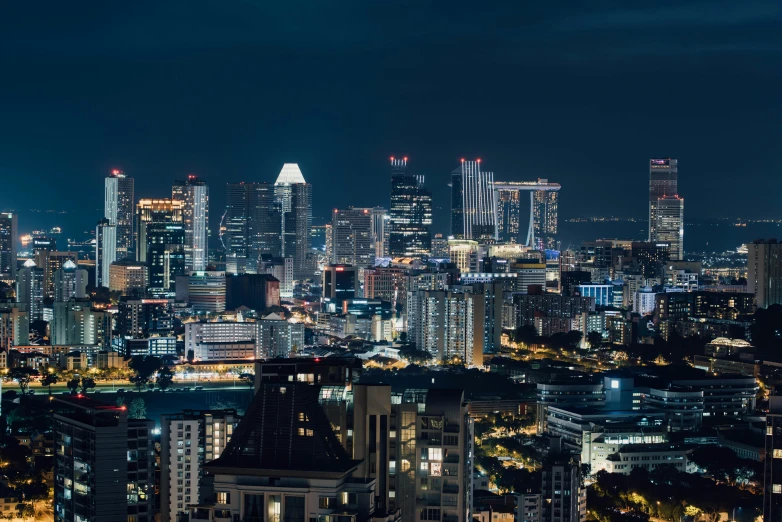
290,174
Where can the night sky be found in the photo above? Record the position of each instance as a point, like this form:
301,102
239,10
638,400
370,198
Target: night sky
230,90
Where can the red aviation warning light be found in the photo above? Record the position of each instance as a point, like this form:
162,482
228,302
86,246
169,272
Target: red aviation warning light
392,158
478,160
405,158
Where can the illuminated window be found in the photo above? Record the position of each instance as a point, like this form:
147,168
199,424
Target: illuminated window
778,453
436,454
223,497
776,488
769,430
614,384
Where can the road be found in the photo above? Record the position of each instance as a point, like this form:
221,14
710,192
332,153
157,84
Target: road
112,387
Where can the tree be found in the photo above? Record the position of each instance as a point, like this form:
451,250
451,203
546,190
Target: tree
39,326
87,383
48,379
143,367
190,356
525,334
595,339
73,384
23,376
164,378
248,378
137,409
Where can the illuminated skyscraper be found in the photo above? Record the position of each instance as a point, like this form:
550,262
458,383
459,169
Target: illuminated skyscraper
764,275
508,215
161,241
250,226
294,197
545,215
473,214
70,282
119,210
379,230
194,194
663,181
351,230
669,225
8,238
410,213
30,289
105,251
153,210
233,228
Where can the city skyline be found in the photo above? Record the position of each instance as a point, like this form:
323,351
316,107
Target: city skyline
399,262
524,125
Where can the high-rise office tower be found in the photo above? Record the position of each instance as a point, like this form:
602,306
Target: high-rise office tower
351,240
233,228
166,255
508,215
8,238
203,435
379,230
669,225
294,197
250,226
119,200
105,251
545,216
663,181
42,247
70,282
29,289
473,214
764,272
194,195
410,213
154,210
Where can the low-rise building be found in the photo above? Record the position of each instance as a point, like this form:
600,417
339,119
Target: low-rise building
649,456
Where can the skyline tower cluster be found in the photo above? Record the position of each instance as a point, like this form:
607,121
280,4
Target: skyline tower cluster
262,219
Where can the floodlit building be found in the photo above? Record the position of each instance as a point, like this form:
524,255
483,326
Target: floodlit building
118,210
193,193
410,213
128,277
473,213
663,181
